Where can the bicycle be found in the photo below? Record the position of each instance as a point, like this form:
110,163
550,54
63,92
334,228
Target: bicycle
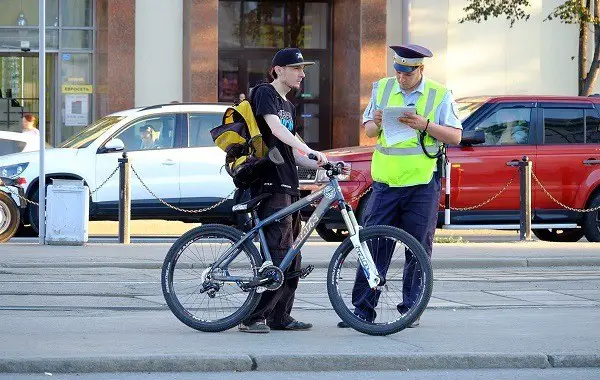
214,288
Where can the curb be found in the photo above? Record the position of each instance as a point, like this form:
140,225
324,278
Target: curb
128,364
302,363
442,263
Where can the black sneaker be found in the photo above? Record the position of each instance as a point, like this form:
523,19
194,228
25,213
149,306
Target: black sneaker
293,326
258,327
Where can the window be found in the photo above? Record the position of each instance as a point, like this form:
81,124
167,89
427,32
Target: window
148,134
200,126
563,126
11,146
506,126
592,126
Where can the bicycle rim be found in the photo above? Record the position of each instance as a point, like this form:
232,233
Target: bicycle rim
393,309
195,299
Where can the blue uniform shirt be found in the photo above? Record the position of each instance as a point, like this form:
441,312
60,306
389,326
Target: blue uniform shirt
446,114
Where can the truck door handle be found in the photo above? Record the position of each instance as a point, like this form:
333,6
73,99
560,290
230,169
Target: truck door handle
168,162
513,163
591,161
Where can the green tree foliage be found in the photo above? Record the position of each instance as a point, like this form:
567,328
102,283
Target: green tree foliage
584,13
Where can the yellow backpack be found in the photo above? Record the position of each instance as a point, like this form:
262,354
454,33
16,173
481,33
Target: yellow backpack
240,138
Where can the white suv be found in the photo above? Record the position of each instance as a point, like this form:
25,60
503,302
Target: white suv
169,146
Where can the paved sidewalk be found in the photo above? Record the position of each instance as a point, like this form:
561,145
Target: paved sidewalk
318,253
156,341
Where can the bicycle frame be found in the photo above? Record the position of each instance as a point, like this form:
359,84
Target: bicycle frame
329,194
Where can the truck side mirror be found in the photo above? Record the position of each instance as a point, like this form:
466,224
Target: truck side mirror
472,138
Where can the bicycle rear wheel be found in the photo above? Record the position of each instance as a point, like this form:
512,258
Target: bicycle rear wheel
197,300
391,310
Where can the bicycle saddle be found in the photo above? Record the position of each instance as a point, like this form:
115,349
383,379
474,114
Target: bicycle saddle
246,207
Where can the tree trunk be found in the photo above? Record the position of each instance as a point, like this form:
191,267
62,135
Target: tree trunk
587,81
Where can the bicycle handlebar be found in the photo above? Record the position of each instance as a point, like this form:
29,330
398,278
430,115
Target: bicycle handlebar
333,168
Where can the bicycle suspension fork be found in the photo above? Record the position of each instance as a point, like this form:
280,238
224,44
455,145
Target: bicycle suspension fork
364,254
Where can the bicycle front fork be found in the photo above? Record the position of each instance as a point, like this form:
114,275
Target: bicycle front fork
364,254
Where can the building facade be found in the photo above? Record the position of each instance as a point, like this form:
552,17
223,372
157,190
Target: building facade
108,55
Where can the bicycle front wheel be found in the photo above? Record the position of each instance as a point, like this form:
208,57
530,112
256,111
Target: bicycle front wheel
403,293
192,295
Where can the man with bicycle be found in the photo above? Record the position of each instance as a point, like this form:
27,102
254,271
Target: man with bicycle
275,116
406,187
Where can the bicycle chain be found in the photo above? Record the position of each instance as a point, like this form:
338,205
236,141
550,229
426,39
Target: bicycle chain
197,211
560,203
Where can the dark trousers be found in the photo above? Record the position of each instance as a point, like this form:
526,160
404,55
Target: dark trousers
275,306
413,209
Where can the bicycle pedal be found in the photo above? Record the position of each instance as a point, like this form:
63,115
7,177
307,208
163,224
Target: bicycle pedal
306,271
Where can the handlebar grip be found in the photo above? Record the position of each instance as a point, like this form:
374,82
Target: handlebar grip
312,156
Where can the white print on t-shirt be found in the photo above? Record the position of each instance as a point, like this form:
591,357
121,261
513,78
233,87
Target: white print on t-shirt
286,119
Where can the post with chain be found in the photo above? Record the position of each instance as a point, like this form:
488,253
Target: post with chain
525,199
124,199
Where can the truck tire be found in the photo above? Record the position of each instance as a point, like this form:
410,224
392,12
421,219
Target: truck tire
591,220
9,217
559,235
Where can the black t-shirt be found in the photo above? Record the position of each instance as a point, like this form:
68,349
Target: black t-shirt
266,101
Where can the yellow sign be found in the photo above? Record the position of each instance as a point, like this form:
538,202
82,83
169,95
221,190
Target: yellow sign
77,88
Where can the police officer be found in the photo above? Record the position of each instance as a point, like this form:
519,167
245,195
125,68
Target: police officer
406,190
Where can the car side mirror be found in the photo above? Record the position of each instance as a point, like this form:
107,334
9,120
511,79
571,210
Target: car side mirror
472,138
114,145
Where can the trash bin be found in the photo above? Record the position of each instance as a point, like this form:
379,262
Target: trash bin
67,212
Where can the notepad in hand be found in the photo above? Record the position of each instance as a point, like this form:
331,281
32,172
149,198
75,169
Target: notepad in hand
393,130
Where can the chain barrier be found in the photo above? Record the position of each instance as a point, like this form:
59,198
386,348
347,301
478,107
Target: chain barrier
488,200
558,202
91,193
197,211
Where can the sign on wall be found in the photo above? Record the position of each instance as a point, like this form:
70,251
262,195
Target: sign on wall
76,110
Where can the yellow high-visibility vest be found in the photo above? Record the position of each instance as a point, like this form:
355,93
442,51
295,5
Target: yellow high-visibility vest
404,164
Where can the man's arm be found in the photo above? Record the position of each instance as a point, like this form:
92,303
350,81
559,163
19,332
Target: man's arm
283,134
372,115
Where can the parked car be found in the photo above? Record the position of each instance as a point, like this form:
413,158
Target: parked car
560,135
10,217
15,142
168,145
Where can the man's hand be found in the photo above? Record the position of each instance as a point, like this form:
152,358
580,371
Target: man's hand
378,117
414,121
321,158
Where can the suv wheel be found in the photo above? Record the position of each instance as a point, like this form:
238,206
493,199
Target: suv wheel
591,220
9,217
559,235
331,234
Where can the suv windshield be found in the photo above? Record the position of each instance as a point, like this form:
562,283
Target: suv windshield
466,106
91,133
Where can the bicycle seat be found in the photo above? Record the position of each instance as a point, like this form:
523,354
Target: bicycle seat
245,207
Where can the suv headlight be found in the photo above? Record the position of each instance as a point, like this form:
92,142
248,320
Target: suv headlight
321,176
13,170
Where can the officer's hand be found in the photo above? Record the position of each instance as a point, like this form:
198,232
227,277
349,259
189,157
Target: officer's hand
321,158
414,121
378,117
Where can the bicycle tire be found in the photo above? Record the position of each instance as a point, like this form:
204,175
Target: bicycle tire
345,312
169,289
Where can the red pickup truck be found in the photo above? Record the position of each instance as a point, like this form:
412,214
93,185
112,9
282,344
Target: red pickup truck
560,135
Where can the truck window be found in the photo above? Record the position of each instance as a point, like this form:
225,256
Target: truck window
506,126
563,126
592,126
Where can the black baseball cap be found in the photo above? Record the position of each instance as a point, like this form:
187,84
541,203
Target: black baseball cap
289,57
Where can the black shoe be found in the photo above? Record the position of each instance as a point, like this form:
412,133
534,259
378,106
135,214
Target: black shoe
258,327
402,309
293,326
344,325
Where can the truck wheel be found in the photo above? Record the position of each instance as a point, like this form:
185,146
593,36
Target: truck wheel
9,217
331,234
591,220
559,235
